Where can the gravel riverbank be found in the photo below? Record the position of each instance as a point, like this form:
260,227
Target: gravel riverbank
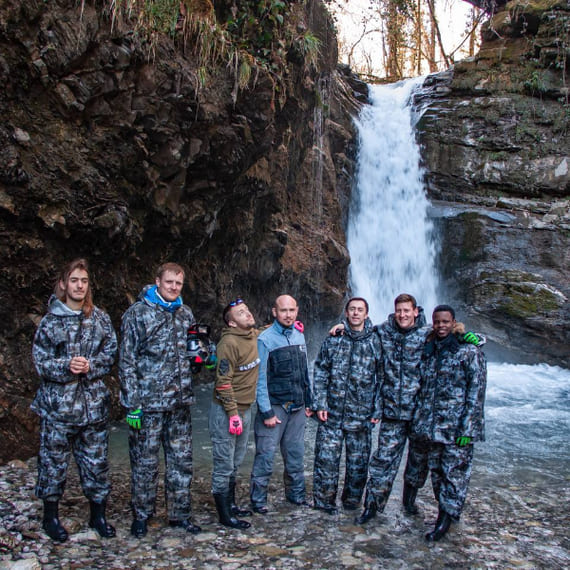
506,526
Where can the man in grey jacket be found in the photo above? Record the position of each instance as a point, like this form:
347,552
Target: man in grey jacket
283,403
156,390
74,348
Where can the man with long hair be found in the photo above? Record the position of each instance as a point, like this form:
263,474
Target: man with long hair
73,350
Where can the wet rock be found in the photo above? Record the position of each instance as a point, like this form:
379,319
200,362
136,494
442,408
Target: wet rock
496,148
503,527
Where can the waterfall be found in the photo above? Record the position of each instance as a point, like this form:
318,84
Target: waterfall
389,234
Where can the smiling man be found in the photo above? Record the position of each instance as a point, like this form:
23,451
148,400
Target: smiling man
156,390
449,414
346,398
402,337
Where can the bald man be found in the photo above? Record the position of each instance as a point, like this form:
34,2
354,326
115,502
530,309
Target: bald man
283,404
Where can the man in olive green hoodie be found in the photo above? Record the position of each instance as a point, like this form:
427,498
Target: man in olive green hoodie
230,412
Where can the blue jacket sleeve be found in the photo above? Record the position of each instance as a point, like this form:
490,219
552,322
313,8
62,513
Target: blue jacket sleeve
262,394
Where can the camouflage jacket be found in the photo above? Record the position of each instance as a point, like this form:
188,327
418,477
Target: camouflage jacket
77,399
401,353
154,364
451,399
347,377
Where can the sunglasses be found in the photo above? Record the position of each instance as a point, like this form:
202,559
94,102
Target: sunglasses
238,301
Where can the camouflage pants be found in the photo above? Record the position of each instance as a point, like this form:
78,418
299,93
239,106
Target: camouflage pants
385,462
228,450
289,436
450,467
90,445
328,451
172,430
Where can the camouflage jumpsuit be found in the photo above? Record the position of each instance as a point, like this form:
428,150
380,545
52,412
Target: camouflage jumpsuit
74,409
450,405
401,354
347,385
154,370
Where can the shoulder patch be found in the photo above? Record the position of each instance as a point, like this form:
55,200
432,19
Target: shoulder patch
224,366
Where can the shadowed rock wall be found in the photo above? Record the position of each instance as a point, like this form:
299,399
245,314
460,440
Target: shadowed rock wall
130,157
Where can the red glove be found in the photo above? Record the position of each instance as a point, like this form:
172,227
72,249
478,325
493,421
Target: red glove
299,326
236,427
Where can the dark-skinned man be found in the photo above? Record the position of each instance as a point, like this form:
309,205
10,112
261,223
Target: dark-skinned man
449,414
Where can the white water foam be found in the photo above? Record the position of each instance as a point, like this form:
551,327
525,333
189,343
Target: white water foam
527,420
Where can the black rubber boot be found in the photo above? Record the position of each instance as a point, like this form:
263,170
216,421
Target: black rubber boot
441,527
187,525
409,499
139,528
51,524
224,508
237,511
98,520
367,514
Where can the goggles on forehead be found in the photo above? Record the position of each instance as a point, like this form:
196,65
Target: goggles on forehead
231,305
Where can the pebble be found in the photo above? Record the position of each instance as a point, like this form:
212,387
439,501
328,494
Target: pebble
495,532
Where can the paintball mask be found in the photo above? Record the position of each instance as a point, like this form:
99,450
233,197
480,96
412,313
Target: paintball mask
201,350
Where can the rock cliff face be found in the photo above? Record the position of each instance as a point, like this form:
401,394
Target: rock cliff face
496,139
133,156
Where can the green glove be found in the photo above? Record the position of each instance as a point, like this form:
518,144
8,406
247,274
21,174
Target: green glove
472,338
211,362
463,441
134,419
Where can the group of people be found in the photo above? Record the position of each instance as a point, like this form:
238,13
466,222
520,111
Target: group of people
424,385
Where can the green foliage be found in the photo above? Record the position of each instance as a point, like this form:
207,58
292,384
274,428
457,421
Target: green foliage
162,15
149,16
310,46
535,84
257,22
255,36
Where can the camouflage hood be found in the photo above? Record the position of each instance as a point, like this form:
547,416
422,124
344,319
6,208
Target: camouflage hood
401,353
347,377
154,363
60,309
62,334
